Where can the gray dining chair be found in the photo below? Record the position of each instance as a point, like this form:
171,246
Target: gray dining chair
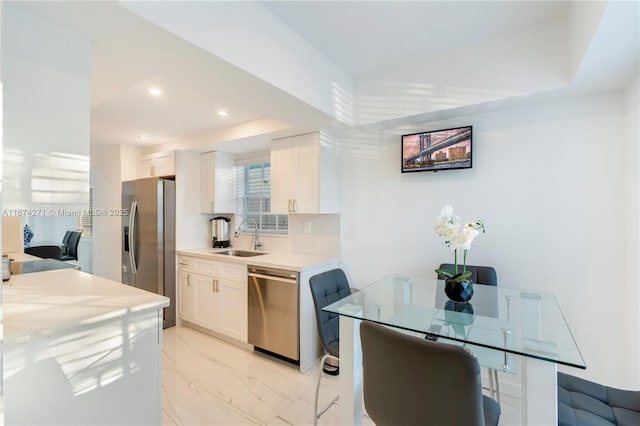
412,381
485,275
326,288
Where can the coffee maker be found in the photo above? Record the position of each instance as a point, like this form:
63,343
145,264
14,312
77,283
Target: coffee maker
220,232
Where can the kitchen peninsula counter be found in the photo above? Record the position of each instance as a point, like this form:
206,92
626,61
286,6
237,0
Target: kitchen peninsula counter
86,348
279,260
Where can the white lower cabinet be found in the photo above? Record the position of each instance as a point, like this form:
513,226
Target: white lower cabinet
207,301
214,295
233,321
186,297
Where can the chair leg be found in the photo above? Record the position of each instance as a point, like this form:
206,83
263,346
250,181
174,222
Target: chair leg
494,385
495,373
491,388
315,406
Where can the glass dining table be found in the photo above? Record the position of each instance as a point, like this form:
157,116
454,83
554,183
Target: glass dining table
513,330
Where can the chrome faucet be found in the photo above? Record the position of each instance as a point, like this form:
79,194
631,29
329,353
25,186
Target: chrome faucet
257,244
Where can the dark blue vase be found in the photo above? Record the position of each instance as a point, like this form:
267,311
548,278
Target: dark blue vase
28,235
458,291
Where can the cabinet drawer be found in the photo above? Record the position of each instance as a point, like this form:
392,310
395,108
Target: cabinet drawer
183,263
198,265
212,268
232,271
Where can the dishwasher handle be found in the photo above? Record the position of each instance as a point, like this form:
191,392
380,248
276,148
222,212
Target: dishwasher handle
273,278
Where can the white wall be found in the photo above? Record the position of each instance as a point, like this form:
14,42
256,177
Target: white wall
632,210
551,184
322,240
46,113
107,194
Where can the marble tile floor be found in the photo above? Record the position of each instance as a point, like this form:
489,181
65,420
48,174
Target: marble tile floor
207,381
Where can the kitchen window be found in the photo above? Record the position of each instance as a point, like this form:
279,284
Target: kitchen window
254,199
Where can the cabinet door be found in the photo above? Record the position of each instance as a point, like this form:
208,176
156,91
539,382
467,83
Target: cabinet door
207,301
186,294
217,182
233,309
164,164
306,194
282,175
207,182
145,166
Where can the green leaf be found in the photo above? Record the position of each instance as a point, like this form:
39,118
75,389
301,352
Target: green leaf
459,277
444,273
464,275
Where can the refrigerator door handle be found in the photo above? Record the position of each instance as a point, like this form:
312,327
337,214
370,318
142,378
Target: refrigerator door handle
132,231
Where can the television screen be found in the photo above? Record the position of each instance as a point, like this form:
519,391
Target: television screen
437,150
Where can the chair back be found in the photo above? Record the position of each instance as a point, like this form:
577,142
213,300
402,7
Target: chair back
65,239
326,288
479,274
74,240
411,381
65,242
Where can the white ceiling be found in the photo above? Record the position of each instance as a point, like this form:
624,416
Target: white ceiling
367,37
130,54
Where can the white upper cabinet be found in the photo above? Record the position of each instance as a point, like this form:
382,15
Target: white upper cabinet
157,164
217,182
304,175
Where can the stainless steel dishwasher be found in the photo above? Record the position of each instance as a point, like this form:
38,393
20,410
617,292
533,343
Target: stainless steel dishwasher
273,312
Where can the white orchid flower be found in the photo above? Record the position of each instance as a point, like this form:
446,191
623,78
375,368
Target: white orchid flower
447,211
447,224
465,237
456,237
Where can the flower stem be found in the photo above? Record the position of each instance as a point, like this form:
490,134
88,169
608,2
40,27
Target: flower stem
455,260
464,260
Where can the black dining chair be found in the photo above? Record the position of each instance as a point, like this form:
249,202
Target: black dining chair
72,246
326,288
65,243
409,381
485,275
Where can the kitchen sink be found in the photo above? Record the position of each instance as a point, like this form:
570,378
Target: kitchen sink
239,253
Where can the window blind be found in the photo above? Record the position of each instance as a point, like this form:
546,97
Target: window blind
254,190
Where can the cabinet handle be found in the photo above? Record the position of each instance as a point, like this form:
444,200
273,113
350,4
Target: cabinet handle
213,285
212,207
217,286
290,205
295,205
183,263
188,279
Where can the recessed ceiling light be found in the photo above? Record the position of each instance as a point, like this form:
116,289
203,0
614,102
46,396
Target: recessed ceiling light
143,137
154,91
223,114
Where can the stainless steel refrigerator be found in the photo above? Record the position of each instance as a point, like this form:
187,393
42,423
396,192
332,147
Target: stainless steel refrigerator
149,243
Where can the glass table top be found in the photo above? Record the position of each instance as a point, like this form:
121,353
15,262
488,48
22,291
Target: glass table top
509,320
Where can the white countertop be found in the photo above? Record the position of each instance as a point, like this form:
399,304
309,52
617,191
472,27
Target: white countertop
44,304
280,260
19,256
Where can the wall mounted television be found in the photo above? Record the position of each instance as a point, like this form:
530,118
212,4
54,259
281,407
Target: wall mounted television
436,150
